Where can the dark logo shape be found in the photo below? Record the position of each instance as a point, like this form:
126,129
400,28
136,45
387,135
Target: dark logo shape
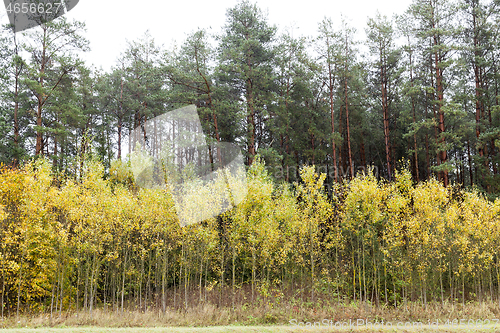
26,14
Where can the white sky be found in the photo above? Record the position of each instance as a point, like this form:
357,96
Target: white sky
110,22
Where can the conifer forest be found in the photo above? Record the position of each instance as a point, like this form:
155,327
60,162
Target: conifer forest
372,165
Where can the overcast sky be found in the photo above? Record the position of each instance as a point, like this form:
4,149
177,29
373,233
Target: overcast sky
110,23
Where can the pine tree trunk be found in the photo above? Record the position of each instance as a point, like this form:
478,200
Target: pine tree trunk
351,166
40,96
18,70
385,110
251,122
331,92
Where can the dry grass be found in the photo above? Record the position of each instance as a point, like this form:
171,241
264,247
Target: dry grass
260,314
233,329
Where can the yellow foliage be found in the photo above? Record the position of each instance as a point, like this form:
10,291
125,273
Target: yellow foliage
92,230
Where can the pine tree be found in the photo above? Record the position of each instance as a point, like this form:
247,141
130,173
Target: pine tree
245,54
330,55
51,49
142,96
435,27
381,38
